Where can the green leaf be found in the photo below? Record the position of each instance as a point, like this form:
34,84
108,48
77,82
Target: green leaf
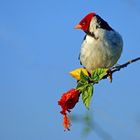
84,82
83,76
87,93
102,72
81,85
98,74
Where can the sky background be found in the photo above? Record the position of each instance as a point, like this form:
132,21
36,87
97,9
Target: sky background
38,48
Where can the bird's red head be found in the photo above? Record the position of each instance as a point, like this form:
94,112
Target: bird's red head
85,22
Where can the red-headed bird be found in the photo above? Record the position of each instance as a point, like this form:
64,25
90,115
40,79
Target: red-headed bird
102,45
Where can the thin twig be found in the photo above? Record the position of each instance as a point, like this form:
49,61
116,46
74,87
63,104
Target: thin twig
118,68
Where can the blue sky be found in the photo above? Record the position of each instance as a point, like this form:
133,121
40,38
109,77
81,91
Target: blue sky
39,46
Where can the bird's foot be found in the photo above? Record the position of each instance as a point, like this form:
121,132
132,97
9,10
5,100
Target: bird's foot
109,75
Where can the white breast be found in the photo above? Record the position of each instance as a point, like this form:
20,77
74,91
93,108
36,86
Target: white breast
103,52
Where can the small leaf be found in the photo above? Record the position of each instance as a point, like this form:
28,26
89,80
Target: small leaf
87,93
77,72
98,74
95,76
83,76
81,85
102,72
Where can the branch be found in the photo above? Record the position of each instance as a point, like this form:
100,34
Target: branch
118,68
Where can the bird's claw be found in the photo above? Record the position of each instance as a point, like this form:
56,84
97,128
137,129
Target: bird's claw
109,74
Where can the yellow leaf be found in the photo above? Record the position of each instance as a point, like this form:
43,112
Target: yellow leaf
76,73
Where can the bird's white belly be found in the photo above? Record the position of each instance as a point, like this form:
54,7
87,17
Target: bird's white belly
100,53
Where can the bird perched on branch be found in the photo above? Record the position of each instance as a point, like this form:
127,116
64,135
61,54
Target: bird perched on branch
102,45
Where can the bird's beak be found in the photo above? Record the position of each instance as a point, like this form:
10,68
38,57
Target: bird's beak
78,26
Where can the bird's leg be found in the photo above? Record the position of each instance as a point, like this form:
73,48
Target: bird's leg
109,74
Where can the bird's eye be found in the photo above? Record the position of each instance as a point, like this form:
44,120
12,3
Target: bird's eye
83,23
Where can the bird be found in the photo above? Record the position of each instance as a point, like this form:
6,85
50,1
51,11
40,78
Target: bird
102,46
